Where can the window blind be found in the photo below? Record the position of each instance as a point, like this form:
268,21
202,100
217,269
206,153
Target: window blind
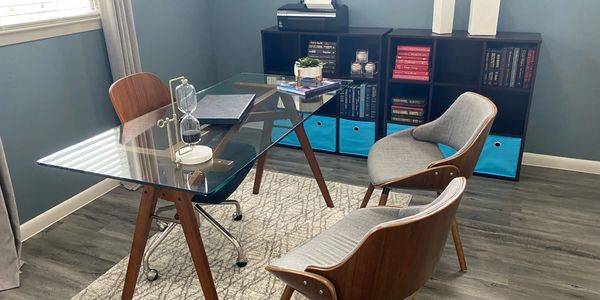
21,13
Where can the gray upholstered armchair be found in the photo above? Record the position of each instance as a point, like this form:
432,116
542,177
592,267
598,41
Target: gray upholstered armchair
411,159
372,253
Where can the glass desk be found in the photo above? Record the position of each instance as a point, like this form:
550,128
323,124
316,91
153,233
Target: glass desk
138,152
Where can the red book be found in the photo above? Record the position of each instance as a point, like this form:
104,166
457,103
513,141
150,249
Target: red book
411,62
413,54
411,77
407,108
415,73
412,67
529,68
399,57
413,49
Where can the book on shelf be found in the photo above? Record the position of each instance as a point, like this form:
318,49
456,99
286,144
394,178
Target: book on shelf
510,67
322,57
412,68
325,86
406,48
400,62
415,73
359,101
412,63
413,54
531,54
322,43
408,110
404,57
322,51
408,120
408,102
410,77
326,53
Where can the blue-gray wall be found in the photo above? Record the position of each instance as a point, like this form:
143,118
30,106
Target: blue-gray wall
53,93
564,119
174,39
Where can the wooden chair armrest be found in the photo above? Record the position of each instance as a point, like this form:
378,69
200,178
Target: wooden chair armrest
436,178
311,285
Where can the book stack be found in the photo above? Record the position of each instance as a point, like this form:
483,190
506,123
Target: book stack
510,67
326,52
309,91
412,63
408,111
359,101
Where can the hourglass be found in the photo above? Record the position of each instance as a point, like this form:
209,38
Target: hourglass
189,127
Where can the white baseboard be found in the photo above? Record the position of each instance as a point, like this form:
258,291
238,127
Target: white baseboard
55,214
561,163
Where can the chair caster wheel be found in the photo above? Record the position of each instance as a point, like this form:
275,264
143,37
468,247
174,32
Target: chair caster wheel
237,217
241,264
152,275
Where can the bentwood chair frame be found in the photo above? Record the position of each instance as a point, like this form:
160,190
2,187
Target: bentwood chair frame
439,173
392,261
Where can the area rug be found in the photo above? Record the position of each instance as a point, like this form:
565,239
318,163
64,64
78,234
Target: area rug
288,211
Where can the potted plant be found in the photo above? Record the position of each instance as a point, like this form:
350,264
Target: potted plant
307,67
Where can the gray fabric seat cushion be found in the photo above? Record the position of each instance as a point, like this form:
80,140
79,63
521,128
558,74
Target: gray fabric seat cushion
334,244
398,155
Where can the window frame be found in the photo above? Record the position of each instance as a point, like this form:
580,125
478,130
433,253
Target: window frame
37,30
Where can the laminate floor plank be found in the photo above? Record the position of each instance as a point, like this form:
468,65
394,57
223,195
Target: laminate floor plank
537,238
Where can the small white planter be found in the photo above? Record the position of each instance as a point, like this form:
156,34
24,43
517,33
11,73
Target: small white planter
443,16
483,19
312,72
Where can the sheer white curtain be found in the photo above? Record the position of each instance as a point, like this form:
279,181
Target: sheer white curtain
120,37
121,43
10,234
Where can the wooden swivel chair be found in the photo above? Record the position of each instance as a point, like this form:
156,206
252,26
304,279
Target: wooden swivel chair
141,93
411,159
372,253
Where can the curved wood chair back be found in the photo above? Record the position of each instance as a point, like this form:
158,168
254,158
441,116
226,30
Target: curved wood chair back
396,258
472,113
137,94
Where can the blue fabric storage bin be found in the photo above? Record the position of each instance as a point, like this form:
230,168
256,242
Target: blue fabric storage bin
356,137
280,127
499,157
321,132
392,128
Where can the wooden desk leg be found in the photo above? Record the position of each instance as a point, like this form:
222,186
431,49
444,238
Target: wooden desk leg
260,165
140,237
189,223
312,162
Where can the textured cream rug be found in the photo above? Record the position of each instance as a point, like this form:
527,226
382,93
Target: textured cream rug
288,211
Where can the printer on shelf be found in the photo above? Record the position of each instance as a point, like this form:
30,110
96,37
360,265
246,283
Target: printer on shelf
313,15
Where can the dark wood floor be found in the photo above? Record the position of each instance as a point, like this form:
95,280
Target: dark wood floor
537,238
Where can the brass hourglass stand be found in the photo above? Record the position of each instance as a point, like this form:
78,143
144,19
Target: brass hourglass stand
188,130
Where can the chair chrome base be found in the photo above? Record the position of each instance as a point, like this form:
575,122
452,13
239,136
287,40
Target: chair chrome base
166,225
241,259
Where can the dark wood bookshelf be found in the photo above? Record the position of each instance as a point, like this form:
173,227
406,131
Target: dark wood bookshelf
282,48
457,63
